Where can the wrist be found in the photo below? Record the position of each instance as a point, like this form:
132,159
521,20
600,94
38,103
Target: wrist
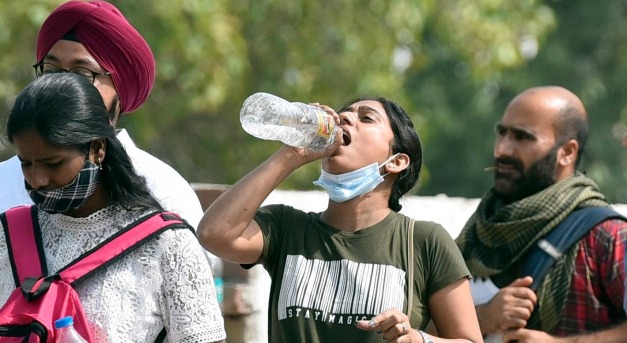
483,319
426,338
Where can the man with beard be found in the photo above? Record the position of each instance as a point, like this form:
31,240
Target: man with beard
539,143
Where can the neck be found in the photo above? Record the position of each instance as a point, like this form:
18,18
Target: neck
96,201
358,213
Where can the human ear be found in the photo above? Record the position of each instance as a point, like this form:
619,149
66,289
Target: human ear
397,164
98,150
568,153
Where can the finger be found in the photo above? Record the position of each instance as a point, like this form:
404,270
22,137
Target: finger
383,316
367,325
391,318
518,302
327,109
526,294
515,317
514,323
394,332
522,282
384,320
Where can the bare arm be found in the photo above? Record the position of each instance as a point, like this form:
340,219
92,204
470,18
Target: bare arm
613,335
227,228
452,311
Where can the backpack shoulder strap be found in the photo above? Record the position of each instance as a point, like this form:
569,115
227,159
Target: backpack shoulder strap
23,237
551,248
121,243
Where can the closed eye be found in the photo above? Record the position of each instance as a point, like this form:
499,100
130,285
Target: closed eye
54,164
367,119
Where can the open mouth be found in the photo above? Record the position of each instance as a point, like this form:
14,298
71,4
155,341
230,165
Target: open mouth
346,138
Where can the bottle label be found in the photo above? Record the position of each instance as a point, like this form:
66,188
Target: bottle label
325,125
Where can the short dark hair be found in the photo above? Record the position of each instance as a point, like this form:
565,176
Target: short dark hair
407,141
67,111
572,124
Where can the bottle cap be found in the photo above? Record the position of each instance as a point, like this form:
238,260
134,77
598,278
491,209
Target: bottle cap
63,322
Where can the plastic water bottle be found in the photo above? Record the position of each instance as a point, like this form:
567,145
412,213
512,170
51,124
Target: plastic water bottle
270,117
66,332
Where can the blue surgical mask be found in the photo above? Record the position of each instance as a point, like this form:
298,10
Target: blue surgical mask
344,187
71,196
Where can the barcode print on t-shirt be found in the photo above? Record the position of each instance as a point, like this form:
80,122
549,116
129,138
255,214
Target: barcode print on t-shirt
340,287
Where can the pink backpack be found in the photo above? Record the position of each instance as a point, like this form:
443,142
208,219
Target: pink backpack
40,298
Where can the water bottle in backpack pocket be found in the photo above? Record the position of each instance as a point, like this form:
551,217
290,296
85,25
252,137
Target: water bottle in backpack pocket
66,332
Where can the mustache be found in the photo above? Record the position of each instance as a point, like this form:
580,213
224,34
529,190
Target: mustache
505,160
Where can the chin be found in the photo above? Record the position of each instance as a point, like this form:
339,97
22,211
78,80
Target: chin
506,189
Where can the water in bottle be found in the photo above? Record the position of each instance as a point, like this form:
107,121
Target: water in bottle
65,332
270,117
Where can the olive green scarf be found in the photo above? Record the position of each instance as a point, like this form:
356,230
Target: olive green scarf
497,235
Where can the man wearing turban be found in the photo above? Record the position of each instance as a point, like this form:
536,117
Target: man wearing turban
94,39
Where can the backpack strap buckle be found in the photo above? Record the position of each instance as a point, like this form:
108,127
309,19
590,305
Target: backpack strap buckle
34,287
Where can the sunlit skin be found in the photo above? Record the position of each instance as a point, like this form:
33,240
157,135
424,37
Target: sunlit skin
367,136
46,166
67,54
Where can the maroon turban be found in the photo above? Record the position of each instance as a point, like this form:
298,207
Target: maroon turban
111,40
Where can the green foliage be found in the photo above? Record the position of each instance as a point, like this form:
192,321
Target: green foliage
453,64
19,22
586,53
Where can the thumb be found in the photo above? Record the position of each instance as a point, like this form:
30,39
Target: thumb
367,325
522,282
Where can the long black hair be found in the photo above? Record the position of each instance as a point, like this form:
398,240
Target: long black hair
406,141
67,111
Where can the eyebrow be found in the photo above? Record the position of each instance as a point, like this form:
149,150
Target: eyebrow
42,159
516,130
361,108
75,61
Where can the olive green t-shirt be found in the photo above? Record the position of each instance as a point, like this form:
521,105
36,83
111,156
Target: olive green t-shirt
324,279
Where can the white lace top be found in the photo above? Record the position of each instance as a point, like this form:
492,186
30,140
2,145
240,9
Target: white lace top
167,281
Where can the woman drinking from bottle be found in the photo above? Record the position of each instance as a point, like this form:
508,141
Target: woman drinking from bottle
358,271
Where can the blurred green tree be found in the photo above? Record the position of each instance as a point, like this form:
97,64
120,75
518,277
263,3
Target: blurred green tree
451,63
586,52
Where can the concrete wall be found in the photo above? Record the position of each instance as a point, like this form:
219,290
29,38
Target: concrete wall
246,292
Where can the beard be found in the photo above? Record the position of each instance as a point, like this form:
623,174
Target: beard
539,176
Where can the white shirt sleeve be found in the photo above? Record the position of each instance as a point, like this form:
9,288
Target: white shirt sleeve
170,189
12,190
